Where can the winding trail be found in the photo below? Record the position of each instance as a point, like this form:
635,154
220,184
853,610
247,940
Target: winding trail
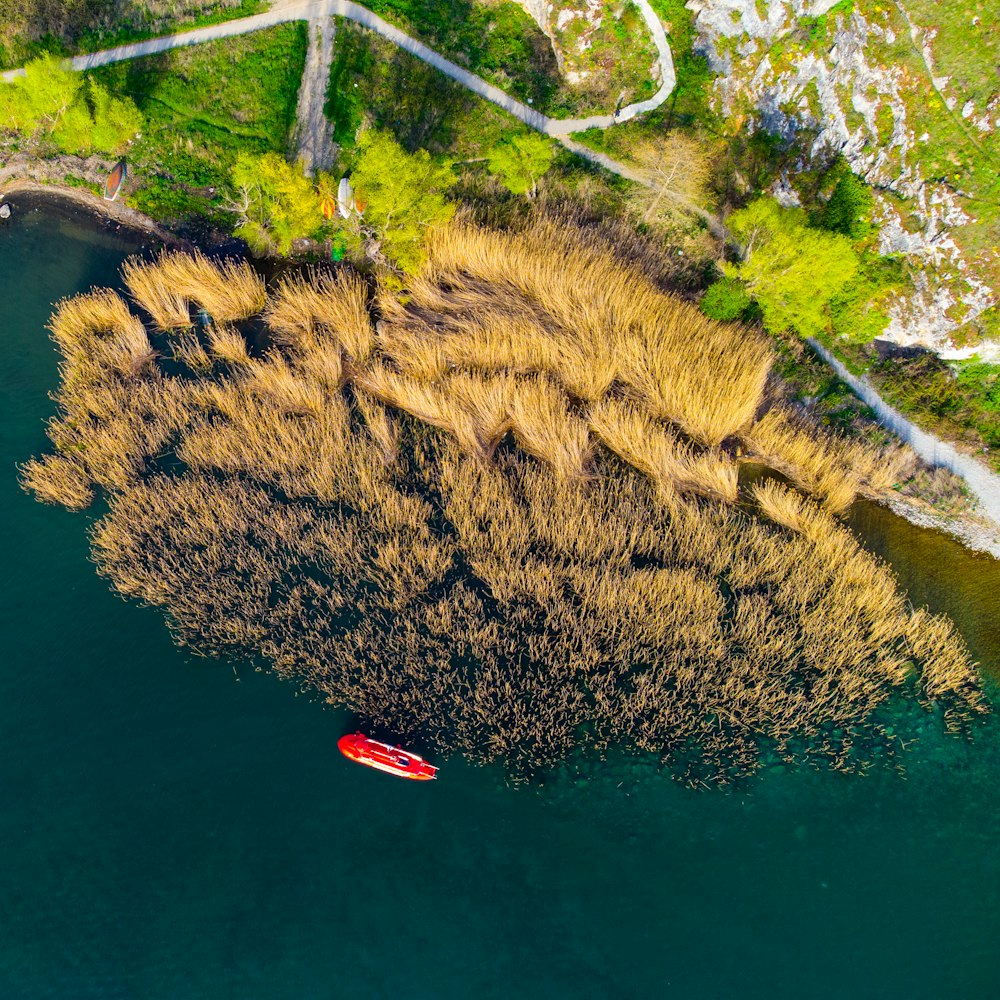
983,482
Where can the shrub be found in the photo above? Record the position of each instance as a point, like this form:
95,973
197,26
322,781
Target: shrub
726,299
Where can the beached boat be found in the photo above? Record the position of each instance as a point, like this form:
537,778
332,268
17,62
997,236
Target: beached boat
381,756
345,197
115,181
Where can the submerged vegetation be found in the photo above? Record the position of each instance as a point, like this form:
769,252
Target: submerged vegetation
501,510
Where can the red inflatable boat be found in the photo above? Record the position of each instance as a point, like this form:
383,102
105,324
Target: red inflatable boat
383,757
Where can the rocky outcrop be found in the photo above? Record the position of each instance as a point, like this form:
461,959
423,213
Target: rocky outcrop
849,99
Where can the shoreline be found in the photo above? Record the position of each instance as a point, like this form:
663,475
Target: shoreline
974,533
82,198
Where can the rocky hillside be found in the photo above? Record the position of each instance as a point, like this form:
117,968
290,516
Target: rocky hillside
908,93
602,46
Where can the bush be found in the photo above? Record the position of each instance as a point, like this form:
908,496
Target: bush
726,299
849,210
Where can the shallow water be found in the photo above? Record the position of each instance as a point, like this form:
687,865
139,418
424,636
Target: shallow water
180,828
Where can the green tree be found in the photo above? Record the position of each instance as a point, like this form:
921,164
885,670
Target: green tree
117,120
78,115
40,98
520,161
849,210
274,202
791,270
404,196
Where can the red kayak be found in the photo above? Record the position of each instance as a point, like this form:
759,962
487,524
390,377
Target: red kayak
381,756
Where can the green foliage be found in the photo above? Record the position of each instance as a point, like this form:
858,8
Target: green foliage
849,210
275,202
520,160
791,270
499,41
404,192
78,115
856,311
982,382
41,97
204,105
116,120
726,299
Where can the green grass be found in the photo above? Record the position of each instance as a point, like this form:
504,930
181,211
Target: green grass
372,80
498,41
204,105
67,27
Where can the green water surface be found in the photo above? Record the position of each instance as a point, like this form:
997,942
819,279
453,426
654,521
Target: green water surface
181,828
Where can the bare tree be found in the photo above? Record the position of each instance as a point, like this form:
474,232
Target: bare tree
676,171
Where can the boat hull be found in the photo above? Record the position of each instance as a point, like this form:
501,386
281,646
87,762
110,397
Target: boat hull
115,181
382,757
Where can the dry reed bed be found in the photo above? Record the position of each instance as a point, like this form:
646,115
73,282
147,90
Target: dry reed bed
548,295
165,288
327,516
828,467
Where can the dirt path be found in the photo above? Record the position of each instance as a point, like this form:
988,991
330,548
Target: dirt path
313,130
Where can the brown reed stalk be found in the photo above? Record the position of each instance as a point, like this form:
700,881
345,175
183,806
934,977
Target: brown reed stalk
545,428
58,480
228,290
783,441
228,344
153,290
306,309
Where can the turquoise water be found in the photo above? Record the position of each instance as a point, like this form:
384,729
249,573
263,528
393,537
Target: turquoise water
180,828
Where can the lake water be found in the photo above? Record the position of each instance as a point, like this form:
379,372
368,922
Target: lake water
179,828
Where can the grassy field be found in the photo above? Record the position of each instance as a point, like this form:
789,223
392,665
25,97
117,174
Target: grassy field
502,43
30,27
373,81
203,106
499,41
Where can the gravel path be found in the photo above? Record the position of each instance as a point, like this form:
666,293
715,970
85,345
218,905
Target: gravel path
313,130
983,482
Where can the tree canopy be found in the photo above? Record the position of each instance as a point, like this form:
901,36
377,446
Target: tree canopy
849,209
79,115
791,270
275,203
404,196
520,161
